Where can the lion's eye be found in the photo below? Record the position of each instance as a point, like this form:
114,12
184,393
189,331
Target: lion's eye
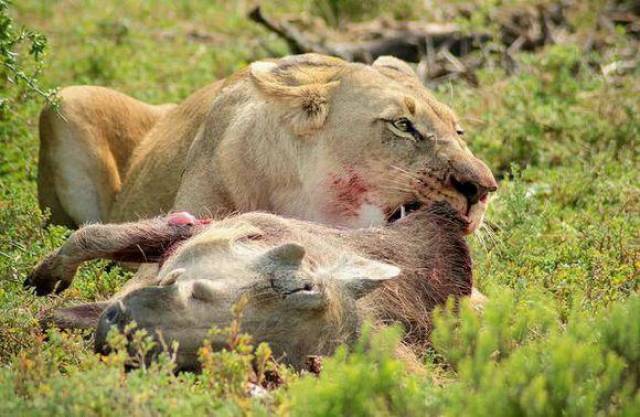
460,131
404,125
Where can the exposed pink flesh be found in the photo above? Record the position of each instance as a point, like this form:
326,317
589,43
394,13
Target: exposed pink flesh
181,218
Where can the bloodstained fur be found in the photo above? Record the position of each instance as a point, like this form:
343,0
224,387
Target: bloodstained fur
350,190
429,247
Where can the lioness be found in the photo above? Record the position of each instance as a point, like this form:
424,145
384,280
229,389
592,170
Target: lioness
305,285
307,136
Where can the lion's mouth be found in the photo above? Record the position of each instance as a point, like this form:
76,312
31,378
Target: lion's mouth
412,206
404,210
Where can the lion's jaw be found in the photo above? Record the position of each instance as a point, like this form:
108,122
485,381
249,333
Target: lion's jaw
354,198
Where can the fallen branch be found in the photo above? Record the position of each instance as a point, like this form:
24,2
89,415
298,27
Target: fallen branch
296,40
406,44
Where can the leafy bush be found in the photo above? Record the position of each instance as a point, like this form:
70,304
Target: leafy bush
14,70
570,232
518,358
336,12
557,110
521,359
366,381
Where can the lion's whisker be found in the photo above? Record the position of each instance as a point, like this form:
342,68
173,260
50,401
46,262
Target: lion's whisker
404,172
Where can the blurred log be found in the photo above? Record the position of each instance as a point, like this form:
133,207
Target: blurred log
296,40
407,44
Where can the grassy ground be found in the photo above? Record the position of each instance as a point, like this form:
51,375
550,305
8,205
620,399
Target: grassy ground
560,258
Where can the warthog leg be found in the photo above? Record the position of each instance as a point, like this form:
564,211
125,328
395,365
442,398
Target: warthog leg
140,242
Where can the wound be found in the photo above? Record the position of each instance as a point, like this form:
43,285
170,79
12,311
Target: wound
181,218
349,191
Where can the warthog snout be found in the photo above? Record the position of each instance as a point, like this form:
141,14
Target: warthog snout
113,316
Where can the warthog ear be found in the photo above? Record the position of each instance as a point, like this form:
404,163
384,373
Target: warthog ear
303,86
81,316
359,275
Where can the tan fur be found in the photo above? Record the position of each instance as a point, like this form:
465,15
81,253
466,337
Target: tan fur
277,136
102,127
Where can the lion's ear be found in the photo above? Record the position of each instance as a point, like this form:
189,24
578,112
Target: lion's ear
394,64
303,87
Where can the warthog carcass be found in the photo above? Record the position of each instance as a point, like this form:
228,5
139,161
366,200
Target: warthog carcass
307,287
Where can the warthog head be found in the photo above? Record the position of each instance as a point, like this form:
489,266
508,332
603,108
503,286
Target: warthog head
299,307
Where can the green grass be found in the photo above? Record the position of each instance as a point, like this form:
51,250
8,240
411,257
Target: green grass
559,259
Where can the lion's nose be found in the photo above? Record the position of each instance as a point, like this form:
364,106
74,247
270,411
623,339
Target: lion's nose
473,190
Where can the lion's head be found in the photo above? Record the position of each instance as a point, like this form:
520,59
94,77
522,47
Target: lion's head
370,143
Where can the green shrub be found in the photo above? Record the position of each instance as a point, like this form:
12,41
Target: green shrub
518,358
559,109
365,382
521,359
22,73
336,12
570,232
